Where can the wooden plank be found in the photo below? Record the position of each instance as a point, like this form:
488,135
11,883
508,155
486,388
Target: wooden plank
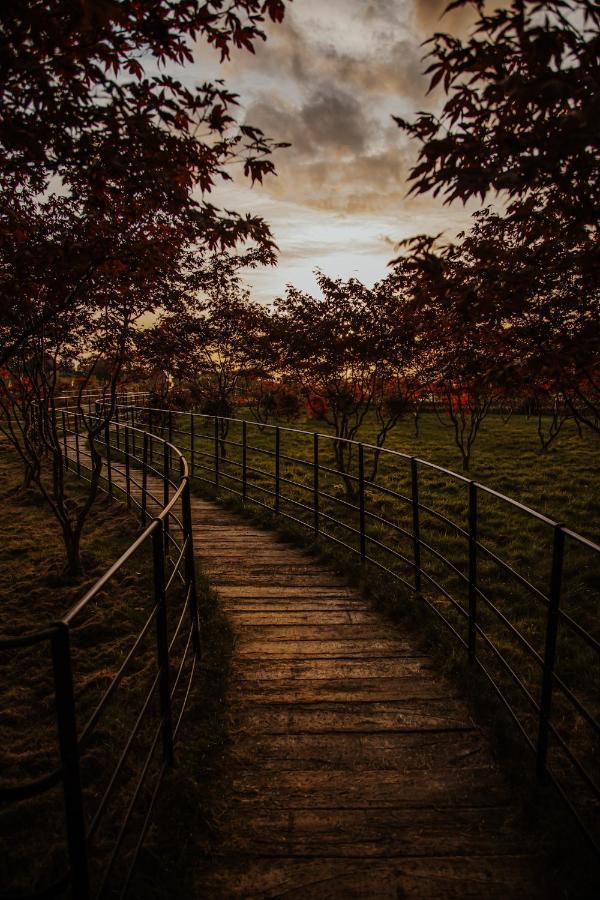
265,591
343,632
342,669
324,718
255,569
446,789
288,617
300,604
350,649
334,690
420,750
235,577
493,877
375,832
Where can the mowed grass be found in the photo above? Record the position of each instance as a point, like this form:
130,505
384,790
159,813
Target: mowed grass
561,484
34,593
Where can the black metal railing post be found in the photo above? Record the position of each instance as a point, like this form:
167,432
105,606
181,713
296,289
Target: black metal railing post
277,467
414,487
108,460
150,427
316,482
118,428
192,447
166,478
65,445
190,565
170,426
144,511
472,570
558,549
162,641
127,468
77,450
244,461
361,502
69,756
216,453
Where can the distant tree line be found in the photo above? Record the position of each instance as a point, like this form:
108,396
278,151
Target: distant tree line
357,354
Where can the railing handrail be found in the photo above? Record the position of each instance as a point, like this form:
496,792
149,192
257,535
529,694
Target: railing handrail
383,450
43,634
130,551
252,483
71,742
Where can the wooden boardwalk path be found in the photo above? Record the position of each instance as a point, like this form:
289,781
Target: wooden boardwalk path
353,770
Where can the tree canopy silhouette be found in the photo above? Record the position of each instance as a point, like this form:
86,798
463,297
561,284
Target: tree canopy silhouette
90,111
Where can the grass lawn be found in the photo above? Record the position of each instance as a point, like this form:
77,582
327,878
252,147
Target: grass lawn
561,484
34,592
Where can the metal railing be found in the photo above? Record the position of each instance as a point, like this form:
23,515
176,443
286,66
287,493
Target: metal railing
154,478
89,398
524,623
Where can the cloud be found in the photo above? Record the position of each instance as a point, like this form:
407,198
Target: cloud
336,120
330,121
341,159
328,81
366,47
429,15
354,185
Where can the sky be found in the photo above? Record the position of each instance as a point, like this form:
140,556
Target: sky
328,80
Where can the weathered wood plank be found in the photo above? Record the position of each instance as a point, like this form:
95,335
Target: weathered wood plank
342,669
313,617
324,718
493,877
334,690
281,593
342,632
363,649
248,604
375,832
233,577
420,750
446,789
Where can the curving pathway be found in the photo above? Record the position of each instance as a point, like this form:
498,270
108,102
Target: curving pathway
353,770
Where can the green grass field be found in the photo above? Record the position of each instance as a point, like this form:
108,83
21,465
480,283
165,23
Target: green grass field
562,483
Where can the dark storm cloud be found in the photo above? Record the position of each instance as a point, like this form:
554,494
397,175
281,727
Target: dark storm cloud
335,119
330,121
397,71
